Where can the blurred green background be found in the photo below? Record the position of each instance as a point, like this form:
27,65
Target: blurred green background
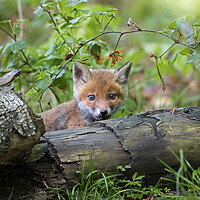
182,79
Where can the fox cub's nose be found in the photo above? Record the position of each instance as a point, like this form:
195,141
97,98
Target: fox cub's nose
103,112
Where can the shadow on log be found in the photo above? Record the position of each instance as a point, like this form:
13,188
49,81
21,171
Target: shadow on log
136,140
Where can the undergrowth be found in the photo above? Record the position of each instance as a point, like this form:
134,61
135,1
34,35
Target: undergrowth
98,184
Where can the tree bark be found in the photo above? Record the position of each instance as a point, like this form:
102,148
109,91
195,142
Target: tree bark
136,140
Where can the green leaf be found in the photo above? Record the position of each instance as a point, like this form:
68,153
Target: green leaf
23,20
51,49
95,13
52,57
198,65
198,49
75,20
14,61
33,90
185,51
73,3
51,4
111,9
193,58
39,11
5,47
17,46
41,76
173,58
177,22
5,21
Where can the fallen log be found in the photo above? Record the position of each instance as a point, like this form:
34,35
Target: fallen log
136,140
29,165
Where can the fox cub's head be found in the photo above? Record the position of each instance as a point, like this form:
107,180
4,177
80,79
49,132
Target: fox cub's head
99,93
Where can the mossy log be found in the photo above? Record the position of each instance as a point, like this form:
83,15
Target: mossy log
135,140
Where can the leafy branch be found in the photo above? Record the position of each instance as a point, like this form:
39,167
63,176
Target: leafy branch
26,61
121,33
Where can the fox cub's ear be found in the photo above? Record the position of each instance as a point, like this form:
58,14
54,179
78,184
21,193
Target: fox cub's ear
81,74
122,74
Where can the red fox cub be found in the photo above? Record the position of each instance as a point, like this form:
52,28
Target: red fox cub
98,94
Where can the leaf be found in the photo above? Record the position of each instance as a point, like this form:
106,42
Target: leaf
23,20
177,22
95,13
51,49
5,21
51,4
193,58
73,3
115,57
5,47
39,11
52,57
33,90
198,49
41,76
75,20
17,46
173,58
95,50
185,51
13,62
111,9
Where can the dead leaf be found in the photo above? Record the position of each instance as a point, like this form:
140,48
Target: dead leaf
115,56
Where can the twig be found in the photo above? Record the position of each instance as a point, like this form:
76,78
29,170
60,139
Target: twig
167,49
118,42
19,6
52,19
14,38
57,98
121,34
112,17
8,34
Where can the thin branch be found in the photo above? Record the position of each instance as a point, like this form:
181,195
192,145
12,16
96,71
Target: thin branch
112,17
167,49
54,23
14,38
121,34
19,6
8,33
118,42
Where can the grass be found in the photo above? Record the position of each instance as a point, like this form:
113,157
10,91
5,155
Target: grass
98,185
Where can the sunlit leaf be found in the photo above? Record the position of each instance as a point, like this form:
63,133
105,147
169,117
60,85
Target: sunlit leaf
185,51
39,11
72,3
75,20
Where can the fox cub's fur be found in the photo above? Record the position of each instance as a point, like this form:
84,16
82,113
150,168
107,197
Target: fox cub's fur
97,96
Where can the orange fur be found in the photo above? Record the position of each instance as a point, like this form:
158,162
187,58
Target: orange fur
108,89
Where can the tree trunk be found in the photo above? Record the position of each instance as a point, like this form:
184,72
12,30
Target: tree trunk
136,140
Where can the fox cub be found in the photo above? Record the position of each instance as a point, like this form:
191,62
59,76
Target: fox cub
98,94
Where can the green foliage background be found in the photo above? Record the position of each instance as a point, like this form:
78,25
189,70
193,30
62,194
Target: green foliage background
46,44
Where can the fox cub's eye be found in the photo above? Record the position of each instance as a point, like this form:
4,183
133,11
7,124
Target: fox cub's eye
91,97
112,96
